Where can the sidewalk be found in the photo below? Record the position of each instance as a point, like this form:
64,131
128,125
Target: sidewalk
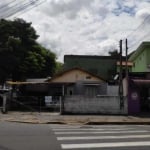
56,118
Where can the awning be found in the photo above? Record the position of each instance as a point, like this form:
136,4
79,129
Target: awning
142,82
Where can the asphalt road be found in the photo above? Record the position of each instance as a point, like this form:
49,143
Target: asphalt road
19,136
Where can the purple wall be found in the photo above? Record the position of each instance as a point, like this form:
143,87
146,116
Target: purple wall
133,99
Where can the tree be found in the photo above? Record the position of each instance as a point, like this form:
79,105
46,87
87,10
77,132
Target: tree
114,53
59,67
21,56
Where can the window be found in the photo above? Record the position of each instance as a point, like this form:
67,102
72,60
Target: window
88,77
70,92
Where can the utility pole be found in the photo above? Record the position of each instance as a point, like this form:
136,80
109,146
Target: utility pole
126,59
120,79
127,70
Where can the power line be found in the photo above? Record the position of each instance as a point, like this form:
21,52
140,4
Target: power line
133,44
5,6
145,20
134,34
9,7
16,8
29,8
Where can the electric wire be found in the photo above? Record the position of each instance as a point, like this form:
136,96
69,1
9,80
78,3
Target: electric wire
9,6
134,34
135,43
140,26
3,6
16,7
28,9
9,10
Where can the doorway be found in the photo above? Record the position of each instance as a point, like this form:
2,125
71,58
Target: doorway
145,99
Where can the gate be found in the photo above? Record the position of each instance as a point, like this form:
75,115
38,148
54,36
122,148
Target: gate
4,93
38,103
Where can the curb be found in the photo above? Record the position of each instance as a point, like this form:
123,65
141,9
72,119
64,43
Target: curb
86,123
36,122
117,123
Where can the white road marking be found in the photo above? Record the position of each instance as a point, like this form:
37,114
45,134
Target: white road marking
90,129
104,145
63,133
101,137
87,126
101,132
64,127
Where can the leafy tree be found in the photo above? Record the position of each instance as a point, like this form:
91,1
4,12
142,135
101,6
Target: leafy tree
59,67
114,53
21,56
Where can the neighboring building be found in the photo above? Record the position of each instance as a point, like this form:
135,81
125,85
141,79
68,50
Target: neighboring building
103,66
139,80
124,65
141,58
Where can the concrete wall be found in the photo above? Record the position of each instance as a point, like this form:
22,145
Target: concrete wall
94,105
112,90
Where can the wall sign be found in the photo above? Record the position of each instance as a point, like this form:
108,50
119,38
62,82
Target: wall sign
134,95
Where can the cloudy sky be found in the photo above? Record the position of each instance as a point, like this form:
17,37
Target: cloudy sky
87,27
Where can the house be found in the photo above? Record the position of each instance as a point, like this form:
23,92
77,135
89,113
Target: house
139,80
86,93
141,58
77,81
125,64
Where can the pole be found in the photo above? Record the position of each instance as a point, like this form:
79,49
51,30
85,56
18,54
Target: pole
127,71
126,59
120,79
4,97
62,100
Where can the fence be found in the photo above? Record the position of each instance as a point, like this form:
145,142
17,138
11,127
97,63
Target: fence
35,103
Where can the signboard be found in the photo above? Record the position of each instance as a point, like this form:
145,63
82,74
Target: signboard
48,100
134,95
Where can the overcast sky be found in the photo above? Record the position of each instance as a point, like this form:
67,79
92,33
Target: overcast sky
89,27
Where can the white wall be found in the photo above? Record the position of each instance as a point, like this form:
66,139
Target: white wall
112,90
87,105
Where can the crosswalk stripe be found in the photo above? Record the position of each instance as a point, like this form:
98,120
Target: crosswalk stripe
101,132
93,129
88,127
64,127
70,136
101,137
104,145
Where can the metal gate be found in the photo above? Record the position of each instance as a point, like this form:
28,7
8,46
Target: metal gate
36,103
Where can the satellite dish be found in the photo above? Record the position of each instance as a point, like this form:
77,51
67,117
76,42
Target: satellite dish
116,77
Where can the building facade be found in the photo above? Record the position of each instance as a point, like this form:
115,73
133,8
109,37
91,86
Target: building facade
141,58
